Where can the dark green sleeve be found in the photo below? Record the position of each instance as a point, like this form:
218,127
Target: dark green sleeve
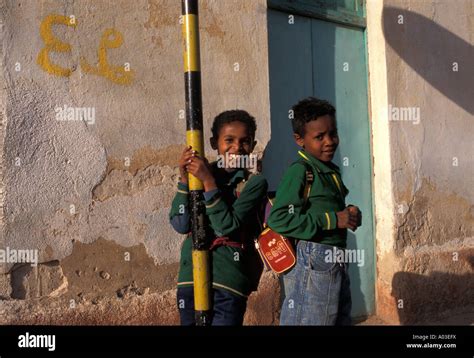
224,218
179,213
287,217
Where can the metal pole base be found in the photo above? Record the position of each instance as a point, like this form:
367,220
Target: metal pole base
203,318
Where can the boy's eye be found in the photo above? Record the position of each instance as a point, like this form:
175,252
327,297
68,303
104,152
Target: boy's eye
319,137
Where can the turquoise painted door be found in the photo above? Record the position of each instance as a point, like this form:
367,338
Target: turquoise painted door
308,56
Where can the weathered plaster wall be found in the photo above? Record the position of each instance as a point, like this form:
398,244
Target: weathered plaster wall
419,55
94,197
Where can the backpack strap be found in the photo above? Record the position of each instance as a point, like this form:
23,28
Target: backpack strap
239,188
309,179
225,240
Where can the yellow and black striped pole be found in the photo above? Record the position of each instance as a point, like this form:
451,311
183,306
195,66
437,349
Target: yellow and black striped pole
192,80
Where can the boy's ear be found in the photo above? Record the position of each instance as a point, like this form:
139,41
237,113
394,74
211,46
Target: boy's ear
213,142
298,139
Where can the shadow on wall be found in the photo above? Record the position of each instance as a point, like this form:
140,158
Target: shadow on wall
436,54
434,299
444,60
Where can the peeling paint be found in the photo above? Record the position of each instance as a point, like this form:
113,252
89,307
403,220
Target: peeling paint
146,156
434,217
124,265
160,14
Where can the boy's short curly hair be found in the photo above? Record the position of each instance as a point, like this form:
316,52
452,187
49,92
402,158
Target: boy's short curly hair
233,116
309,109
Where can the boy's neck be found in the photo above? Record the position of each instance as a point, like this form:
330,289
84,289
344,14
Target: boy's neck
312,156
330,165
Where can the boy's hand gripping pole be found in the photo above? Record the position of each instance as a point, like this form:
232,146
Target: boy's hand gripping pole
194,138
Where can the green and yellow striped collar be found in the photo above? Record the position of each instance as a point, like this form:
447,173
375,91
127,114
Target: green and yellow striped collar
319,165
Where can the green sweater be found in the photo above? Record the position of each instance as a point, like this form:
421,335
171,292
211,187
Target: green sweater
316,221
233,269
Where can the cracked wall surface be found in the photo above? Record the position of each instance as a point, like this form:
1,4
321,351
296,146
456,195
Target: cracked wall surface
93,196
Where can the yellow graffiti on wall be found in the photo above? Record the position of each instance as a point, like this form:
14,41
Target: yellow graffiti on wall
111,39
53,44
118,74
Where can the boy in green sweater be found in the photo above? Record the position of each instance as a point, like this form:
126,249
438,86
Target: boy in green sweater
233,199
317,290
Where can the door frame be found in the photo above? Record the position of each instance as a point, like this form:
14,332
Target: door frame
356,19
309,8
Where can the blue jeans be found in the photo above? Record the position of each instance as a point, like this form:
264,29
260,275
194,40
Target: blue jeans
228,308
316,292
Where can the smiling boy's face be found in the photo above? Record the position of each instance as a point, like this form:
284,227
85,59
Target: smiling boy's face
320,138
234,138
